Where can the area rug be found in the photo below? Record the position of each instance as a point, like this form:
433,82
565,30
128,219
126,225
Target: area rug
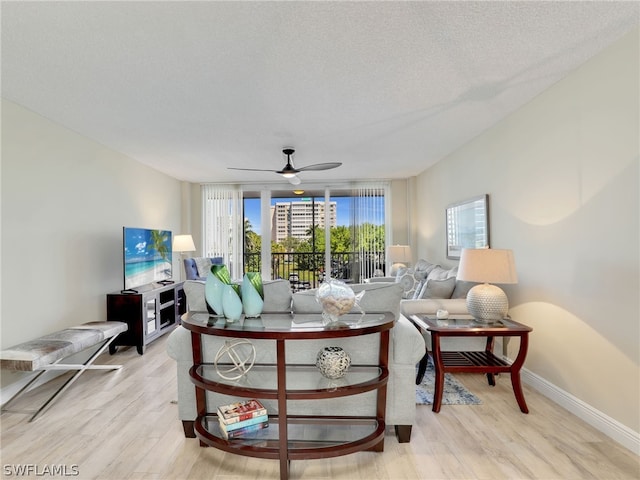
454,392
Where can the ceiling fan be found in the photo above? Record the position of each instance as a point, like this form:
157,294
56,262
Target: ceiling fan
289,171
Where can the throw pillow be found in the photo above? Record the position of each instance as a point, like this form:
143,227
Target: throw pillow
416,294
439,273
438,288
423,268
462,289
409,281
203,265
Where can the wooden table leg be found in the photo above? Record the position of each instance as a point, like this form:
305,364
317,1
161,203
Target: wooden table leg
422,368
422,364
491,379
439,372
515,373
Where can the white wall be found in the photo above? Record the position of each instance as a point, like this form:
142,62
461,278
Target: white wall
562,178
65,199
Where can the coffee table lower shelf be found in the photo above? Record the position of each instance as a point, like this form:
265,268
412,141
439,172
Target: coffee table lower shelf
487,362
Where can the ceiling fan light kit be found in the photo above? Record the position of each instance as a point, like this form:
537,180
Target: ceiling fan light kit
289,171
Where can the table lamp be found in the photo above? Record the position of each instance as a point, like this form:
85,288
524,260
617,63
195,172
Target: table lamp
485,302
398,255
182,244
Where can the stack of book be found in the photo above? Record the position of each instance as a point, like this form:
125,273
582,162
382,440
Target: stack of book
241,418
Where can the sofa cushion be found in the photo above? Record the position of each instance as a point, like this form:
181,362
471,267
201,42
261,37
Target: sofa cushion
438,288
277,296
462,289
305,301
378,297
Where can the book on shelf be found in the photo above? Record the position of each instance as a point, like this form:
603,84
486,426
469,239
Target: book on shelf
242,423
239,411
240,432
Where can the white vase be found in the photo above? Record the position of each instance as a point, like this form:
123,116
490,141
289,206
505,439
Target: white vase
231,304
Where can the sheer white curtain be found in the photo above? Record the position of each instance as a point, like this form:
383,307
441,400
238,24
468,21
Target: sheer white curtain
369,202
223,225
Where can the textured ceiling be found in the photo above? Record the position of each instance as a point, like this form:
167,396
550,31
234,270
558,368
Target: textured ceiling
387,88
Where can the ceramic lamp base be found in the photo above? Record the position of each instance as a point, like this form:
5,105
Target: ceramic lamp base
487,303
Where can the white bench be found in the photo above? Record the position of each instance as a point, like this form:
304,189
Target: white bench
46,353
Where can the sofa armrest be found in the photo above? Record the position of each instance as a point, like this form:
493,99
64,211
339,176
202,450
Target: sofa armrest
455,307
408,344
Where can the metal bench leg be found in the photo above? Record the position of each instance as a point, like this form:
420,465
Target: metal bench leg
22,390
87,365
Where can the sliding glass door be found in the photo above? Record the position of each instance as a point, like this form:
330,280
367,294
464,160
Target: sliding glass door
337,232
304,237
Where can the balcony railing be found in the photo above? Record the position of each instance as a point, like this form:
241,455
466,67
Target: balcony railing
306,270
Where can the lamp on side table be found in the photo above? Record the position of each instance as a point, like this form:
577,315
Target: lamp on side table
487,303
183,244
398,255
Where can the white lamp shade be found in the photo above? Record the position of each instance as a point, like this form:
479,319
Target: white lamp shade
487,265
183,243
399,253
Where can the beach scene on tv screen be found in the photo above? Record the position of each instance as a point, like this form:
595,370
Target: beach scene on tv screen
147,256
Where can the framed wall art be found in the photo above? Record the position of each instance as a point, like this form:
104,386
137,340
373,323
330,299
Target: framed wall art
467,225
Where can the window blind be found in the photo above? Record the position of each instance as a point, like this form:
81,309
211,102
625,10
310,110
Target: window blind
223,225
368,224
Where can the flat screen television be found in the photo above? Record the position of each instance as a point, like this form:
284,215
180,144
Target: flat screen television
147,256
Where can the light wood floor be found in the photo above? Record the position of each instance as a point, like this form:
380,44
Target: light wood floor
124,425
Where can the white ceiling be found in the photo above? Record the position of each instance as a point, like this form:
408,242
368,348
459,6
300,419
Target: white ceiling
386,88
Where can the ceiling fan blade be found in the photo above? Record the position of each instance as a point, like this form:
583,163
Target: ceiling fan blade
320,166
253,169
294,180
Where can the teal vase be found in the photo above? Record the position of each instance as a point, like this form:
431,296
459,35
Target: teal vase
231,303
252,294
217,278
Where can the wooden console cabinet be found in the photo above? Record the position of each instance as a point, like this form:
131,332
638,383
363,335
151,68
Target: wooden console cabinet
150,313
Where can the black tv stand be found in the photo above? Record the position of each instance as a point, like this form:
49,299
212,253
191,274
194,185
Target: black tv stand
150,312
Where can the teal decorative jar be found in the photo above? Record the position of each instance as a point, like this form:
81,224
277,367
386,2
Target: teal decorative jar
231,303
217,278
252,294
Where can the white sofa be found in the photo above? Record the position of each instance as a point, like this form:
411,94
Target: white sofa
407,348
428,287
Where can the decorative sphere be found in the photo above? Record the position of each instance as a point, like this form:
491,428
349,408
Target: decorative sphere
333,362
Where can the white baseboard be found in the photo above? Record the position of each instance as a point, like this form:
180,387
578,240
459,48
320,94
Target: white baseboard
607,425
